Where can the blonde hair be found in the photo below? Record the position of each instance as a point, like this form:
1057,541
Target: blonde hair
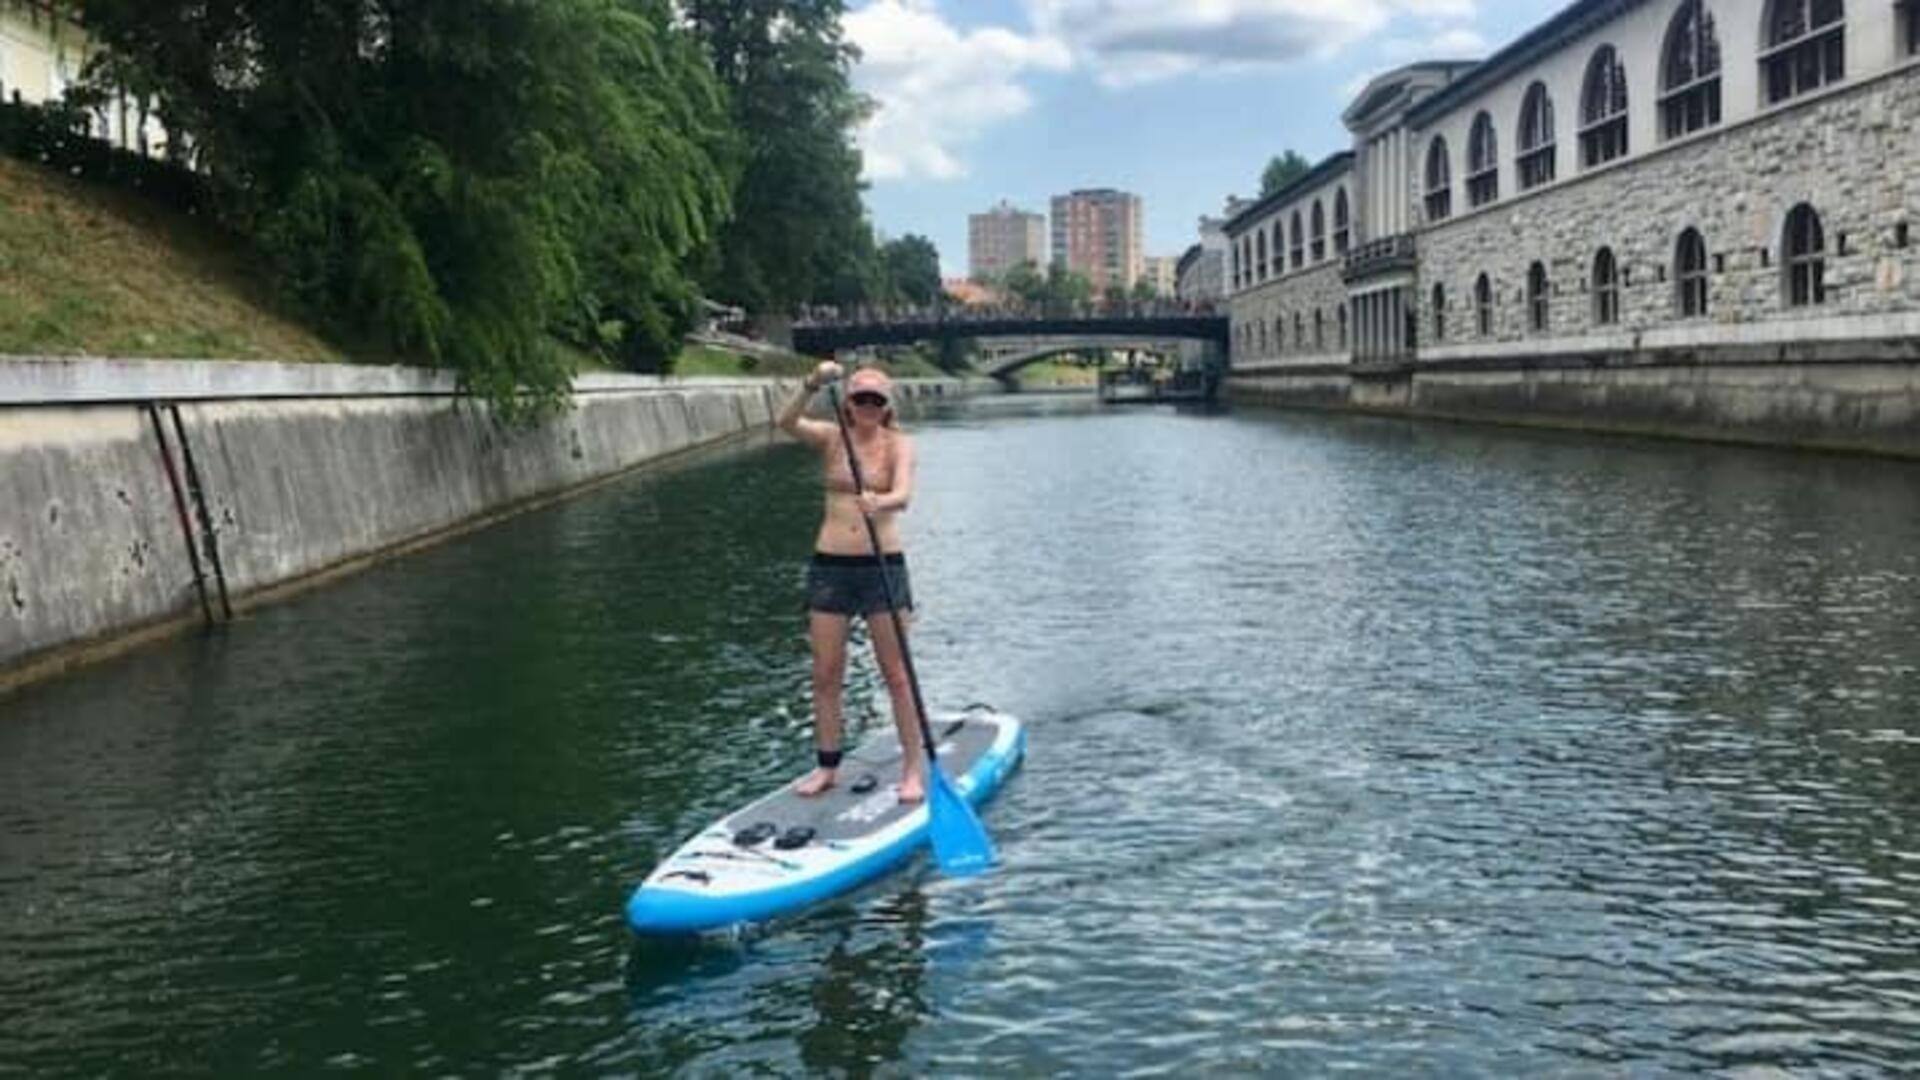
892,418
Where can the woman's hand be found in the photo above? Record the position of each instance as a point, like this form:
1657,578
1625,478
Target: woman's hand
826,372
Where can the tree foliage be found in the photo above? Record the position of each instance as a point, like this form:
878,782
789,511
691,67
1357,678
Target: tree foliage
470,181
799,233
1282,170
912,266
1067,289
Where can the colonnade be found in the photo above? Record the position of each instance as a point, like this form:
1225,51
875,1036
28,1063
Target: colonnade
1382,327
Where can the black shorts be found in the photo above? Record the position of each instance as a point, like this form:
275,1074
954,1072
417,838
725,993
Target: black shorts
851,584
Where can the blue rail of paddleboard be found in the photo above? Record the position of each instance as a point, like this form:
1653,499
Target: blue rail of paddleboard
654,910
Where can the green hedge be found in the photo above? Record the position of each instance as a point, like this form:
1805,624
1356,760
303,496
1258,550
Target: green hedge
56,135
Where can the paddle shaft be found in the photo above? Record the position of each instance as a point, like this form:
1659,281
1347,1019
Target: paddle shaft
886,586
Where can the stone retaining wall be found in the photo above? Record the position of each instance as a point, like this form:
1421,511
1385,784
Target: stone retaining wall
299,477
1853,399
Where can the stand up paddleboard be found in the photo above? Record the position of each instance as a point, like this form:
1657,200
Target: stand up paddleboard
789,851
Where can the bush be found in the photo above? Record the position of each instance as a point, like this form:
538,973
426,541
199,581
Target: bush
56,135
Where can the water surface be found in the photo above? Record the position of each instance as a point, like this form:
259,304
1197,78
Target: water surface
1356,744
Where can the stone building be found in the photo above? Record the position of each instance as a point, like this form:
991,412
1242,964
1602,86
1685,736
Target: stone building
1098,233
1003,238
1285,252
1201,274
1677,216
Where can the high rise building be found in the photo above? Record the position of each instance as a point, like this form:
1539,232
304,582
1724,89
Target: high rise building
1003,238
1098,233
1163,272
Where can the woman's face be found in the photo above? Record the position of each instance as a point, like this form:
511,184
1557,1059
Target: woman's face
866,408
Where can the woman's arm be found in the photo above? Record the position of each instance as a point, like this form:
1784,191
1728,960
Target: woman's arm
793,419
876,502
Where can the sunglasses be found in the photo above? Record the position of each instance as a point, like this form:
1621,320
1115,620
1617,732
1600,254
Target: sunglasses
868,400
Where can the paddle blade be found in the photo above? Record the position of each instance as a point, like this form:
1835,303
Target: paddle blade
960,843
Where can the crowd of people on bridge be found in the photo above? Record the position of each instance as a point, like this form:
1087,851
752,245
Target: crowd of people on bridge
828,315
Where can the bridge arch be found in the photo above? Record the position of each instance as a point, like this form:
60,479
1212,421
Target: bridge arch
827,338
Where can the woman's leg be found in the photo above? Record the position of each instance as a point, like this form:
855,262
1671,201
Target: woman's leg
828,634
893,668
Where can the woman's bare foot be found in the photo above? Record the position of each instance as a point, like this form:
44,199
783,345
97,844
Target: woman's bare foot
814,782
911,788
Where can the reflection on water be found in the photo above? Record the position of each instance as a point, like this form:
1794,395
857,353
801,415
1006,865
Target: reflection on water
1355,745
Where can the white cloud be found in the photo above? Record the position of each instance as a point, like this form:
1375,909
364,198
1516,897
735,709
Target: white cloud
937,89
1127,42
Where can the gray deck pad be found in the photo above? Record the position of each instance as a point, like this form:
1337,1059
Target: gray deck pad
843,813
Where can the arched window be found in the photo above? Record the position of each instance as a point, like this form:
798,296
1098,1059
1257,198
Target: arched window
1279,248
1535,163
1690,71
1606,288
1483,305
1299,248
1299,331
1263,338
1690,274
1806,47
1804,257
1439,312
1603,109
1910,15
1439,180
1260,247
1341,232
1483,162
1539,298
1319,330
1343,325
1319,219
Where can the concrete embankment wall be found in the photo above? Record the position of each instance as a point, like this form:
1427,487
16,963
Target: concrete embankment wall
302,470
1862,400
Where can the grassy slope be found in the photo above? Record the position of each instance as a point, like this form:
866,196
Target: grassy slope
1057,373
89,271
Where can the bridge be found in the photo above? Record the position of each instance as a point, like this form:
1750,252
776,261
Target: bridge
1051,334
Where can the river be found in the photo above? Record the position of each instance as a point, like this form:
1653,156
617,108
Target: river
1359,744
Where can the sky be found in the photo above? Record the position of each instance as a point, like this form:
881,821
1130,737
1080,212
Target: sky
1179,101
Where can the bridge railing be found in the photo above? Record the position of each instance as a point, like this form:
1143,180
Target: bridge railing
1000,313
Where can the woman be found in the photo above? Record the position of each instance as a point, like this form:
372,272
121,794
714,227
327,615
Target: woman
844,580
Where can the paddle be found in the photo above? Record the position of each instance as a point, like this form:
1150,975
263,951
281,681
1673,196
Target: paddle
960,843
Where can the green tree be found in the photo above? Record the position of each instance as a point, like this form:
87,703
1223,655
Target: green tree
913,269
1282,170
1066,290
856,274
458,180
1025,283
1145,290
785,64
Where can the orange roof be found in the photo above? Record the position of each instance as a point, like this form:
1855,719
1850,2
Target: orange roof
969,293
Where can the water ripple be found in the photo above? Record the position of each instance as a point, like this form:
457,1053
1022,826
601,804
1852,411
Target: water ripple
1357,746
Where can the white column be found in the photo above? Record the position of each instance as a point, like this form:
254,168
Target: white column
1398,196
